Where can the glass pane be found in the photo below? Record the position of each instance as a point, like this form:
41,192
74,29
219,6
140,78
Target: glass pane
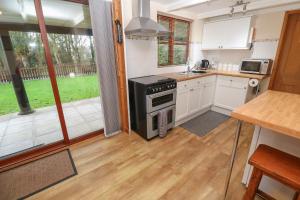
179,54
181,31
165,22
71,43
28,115
163,54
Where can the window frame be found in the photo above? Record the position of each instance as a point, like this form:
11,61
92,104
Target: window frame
172,42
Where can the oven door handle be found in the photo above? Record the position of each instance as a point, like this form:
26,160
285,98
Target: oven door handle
161,94
152,114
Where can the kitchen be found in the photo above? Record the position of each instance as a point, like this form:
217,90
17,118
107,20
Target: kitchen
194,99
220,73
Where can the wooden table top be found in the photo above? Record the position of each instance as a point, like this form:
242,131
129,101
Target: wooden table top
184,77
278,111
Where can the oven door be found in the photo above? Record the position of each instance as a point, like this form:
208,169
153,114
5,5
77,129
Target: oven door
160,100
251,66
152,121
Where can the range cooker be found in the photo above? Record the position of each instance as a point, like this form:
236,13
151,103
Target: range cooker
148,96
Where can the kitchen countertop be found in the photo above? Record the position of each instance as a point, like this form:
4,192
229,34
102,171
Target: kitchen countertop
184,77
274,110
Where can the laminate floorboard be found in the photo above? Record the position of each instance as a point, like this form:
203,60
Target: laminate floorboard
179,166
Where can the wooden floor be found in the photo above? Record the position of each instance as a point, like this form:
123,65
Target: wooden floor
180,166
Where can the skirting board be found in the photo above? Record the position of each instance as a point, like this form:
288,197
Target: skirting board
221,110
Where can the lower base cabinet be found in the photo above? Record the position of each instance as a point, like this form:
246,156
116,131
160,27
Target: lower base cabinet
225,92
194,95
194,103
230,92
182,104
207,97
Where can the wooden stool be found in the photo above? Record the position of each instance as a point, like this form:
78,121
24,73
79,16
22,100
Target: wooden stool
275,164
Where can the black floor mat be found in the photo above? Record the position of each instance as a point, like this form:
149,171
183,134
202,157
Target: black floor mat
204,123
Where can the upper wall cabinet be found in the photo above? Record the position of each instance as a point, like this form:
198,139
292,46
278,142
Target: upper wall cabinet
227,34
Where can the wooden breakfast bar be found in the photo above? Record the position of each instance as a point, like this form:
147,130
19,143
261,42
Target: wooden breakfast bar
276,116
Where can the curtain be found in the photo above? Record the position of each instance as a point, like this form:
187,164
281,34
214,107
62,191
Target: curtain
101,19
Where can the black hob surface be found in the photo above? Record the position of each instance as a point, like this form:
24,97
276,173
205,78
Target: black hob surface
149,80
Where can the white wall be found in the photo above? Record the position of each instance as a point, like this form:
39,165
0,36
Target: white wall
141,55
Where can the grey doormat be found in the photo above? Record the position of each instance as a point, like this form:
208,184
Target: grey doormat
204,123
30,178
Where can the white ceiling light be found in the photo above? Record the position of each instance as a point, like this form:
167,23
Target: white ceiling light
238,4
181,4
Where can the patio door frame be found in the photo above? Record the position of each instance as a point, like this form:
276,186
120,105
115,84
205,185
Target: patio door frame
29,155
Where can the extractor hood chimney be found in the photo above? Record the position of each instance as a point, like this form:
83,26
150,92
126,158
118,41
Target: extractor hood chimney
141,26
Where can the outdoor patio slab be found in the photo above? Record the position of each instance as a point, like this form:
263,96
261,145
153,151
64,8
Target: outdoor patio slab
20,132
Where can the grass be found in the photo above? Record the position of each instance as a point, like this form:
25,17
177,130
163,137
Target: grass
40,93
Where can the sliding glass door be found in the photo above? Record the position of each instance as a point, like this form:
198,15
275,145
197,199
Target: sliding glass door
28,114
46,98
71,43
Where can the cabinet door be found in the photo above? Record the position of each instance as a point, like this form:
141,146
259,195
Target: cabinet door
226,34
182,104
211,36
237,36
229,97
207,95
194,100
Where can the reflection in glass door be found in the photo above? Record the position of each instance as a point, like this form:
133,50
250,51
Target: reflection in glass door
28,115
71,44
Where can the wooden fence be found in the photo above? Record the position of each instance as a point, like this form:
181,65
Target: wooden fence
42,72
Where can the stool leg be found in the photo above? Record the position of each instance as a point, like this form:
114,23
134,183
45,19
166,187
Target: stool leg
296,196
253,184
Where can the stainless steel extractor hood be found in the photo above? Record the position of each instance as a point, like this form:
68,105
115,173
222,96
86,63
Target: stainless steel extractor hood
141,26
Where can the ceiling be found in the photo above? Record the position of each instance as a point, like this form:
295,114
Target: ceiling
56,12
212,8
213,5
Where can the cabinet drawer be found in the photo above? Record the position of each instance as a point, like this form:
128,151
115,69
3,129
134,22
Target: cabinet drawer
239,85
195,83
203,80
208,79
182,85
235,82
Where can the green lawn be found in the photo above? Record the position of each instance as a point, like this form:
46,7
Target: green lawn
40,93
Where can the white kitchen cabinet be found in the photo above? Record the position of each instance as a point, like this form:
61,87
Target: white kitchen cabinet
194,101
230,92
227,34
182,100
194,95
207,97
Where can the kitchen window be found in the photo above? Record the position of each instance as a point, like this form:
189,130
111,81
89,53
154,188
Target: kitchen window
173,49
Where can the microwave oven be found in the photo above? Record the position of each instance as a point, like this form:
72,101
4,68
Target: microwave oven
256,66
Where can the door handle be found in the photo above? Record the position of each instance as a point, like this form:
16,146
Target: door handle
119,31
